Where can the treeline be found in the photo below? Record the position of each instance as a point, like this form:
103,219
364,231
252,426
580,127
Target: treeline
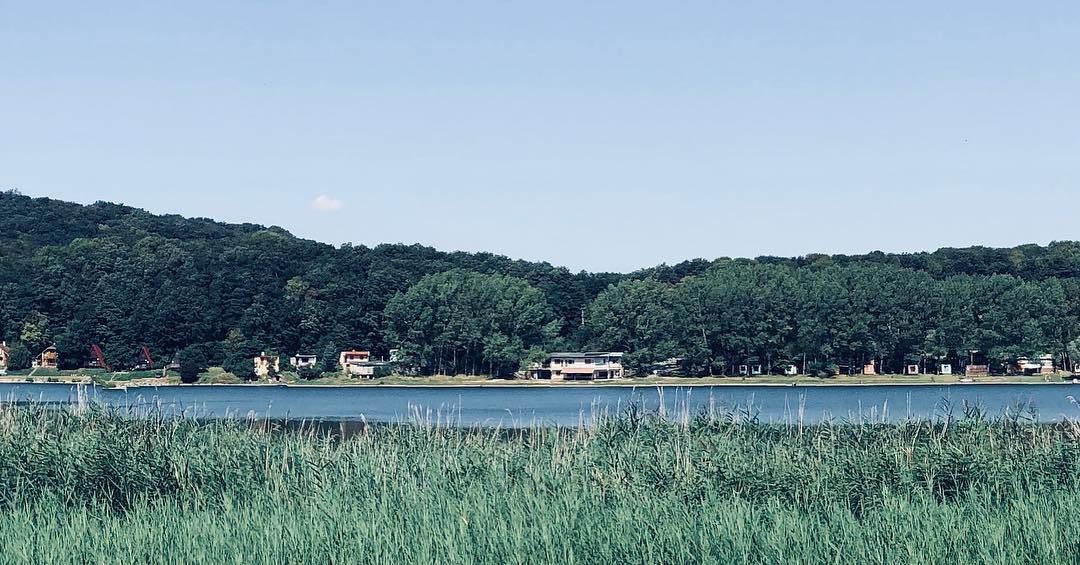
121,277
741,312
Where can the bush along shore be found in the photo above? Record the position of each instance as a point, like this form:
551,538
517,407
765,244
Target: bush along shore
99,486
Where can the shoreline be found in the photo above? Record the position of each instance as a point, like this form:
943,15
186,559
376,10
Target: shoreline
667,382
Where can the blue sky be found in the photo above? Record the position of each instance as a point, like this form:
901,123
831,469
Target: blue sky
597,135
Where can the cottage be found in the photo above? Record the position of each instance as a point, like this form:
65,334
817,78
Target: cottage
912,369
144,361
357,363
48,359
791,370
5,354
1041,365
264,364
589,365
303,361
870,368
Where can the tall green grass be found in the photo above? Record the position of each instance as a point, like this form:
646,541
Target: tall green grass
102,487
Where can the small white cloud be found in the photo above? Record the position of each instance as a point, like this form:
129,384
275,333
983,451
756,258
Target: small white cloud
324,203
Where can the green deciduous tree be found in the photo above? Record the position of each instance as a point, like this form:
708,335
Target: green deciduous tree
637,317
462,322
193,361
19,357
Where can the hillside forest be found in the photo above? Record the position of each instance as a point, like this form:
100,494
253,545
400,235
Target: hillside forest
75,275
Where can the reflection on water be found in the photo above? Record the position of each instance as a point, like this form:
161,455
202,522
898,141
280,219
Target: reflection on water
569,406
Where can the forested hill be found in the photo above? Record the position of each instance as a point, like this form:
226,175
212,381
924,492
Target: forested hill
122,277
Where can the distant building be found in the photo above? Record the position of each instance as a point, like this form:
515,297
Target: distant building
870,368
945,369
357,363
1040,365
48,359
791,370
978,365
589,365
912,369
264,364
144,361
302,361
5,354
749,370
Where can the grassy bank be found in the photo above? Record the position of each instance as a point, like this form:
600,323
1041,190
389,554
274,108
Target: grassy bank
103,488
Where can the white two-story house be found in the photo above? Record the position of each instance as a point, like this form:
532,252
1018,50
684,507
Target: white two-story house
589,365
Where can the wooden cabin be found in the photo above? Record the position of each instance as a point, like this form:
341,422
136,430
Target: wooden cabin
978,364
48,359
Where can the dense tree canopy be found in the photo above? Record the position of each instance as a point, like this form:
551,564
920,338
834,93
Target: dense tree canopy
120,277
461,322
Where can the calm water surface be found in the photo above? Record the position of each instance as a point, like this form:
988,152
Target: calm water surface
522,406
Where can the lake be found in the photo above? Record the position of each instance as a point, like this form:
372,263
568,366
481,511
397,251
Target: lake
569,405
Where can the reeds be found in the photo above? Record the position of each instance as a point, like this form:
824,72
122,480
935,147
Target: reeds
104,487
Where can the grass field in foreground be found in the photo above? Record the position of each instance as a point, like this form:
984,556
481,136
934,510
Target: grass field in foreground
103,488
